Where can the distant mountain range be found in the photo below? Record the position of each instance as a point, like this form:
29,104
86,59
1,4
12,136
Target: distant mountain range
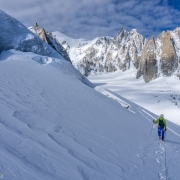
152,58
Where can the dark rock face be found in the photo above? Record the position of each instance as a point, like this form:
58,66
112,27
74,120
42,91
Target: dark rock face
127,46
159,57
109,54
49,39
148,62
169,59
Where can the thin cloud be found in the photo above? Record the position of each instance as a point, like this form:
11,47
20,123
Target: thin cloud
89,19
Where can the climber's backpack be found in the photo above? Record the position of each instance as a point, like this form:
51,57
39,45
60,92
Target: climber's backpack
161,123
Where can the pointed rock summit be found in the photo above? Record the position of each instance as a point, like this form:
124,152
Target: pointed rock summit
50,39
169,59
148,61
39,32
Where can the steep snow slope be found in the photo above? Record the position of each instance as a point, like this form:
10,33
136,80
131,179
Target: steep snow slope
159,96
52,126
14,35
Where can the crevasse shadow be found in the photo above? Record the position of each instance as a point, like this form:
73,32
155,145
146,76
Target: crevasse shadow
5,54
174,142
99,84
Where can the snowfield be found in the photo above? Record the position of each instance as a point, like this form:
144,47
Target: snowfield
54,127
160,96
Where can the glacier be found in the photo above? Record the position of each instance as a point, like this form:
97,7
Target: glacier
55,127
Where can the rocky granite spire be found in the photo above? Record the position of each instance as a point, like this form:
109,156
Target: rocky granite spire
148,62
169,59
159,57
49,39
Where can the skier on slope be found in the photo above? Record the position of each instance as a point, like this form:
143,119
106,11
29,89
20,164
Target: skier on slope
161,126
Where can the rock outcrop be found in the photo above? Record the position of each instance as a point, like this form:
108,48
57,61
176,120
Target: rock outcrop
49,39
159,57
148,62
169,59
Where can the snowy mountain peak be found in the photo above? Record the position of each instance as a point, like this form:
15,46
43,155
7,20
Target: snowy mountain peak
121,34
133,31
122,31
177,29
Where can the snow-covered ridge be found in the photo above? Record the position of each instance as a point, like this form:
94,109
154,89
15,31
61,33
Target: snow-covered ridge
14,35
63,66
71,42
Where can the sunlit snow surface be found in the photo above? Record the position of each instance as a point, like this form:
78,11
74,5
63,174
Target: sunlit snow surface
53,127
161,96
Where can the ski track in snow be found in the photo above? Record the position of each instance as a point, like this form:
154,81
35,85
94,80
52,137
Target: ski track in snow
160,153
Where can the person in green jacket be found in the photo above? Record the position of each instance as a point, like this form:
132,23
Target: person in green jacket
161,126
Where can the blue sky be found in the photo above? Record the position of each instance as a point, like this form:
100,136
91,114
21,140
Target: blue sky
91,18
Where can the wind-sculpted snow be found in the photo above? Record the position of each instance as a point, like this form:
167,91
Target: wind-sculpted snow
52,126
14,35
63,66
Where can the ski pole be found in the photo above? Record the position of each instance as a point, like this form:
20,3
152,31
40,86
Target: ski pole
151,129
